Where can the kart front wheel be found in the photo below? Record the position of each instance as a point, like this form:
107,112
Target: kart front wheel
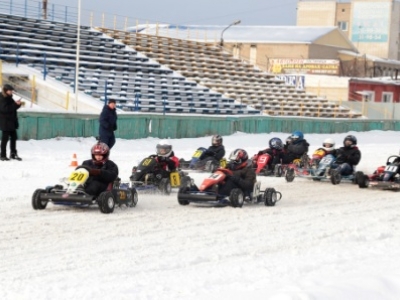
165,186
357,176
134,198
236,197
106,202
363,182
271,197
36,202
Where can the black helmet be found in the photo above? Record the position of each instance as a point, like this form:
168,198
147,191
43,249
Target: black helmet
216,140
7,87
276,143
350,138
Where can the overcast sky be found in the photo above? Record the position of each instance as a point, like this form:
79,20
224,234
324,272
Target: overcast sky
211,12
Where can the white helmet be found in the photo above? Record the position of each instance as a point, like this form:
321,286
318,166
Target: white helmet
164,148
328,145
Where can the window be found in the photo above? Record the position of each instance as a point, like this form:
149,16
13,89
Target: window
387,97
343,26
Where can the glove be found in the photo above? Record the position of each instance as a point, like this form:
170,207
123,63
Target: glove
94,172
161,158
87,168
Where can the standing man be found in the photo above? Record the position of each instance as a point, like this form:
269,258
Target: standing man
8,122
108,124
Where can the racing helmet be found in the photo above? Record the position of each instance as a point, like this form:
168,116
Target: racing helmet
238,159
100,149
288,140
328,144
297,136
275,143
350,141
216,140
164,148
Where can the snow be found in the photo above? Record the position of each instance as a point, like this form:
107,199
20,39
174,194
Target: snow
319,242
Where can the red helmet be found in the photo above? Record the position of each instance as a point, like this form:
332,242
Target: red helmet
238,159
100,149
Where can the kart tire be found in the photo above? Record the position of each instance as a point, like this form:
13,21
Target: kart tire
278,172
289,174
182,190
106,202
36,202
363,182
134,198
336,177
237,198
165,186
357,176
270,197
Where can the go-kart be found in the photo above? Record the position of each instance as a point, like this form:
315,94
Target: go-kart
385,177
208,164
320,169
149,176
262,168
207,193
70,192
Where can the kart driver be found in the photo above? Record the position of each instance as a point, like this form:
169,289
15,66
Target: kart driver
243,176
348,156
102,170
275,150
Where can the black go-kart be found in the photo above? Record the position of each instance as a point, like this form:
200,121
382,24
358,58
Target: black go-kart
207,193
148,176
71,193
385,177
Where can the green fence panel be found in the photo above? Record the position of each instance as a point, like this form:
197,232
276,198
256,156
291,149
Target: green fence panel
34,125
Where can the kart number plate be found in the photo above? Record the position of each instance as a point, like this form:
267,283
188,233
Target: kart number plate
197,154
391,169
78,176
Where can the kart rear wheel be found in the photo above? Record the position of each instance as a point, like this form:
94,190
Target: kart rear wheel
182,190
336,177
270,197
236,197
165,186
134,198
363,182
289,175
36,202
106,202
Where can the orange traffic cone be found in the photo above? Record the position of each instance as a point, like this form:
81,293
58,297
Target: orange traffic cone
74,162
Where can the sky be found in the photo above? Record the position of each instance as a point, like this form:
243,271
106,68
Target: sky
205,12
321,241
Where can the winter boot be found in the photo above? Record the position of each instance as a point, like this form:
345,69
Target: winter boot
15,156
4,158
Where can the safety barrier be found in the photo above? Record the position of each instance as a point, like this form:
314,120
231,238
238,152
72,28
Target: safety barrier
38,126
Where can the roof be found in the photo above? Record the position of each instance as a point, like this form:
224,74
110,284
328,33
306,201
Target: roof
256,34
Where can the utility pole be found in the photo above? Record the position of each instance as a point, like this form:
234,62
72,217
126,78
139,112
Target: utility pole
45,9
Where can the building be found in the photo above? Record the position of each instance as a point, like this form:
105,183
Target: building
371,25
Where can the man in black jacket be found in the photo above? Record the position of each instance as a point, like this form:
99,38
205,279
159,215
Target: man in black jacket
9,122
348,156
108,123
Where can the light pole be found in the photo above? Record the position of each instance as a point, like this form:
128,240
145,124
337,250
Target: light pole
222,33
78,41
